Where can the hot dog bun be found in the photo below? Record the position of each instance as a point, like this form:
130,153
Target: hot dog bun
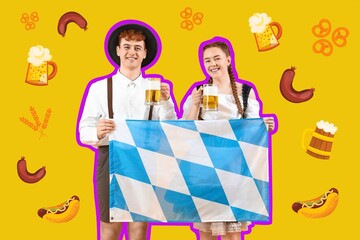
318,207
62,212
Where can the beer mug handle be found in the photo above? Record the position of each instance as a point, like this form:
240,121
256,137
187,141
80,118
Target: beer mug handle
54,71
279,29
306,131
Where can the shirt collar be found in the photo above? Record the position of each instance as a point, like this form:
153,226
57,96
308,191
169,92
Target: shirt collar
126,82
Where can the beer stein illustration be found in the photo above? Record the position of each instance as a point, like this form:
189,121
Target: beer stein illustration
152,93
321,141
263,29
40,68
210,97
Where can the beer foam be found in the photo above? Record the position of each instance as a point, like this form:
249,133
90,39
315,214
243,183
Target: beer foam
153,84
210,91
326,126
38,55
258,22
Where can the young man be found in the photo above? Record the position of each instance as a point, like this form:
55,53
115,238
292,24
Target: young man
132,45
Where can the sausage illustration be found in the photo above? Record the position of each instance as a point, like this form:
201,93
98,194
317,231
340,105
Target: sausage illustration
26,176
318,207
70,17
61,213
287,90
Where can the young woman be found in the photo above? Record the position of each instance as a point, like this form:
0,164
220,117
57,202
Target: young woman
235,100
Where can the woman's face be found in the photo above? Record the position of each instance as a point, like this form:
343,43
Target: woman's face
216,62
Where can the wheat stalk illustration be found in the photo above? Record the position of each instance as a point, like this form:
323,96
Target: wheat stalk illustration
46,118
35,116
37,126
28,123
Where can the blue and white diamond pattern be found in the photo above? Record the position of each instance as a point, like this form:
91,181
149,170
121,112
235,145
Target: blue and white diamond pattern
189,171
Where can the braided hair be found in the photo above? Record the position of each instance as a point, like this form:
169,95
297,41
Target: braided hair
224,47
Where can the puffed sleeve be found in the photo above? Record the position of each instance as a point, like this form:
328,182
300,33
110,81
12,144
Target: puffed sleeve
186,107
167,110
253,108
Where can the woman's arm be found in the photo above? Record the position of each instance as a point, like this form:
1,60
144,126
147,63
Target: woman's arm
192,106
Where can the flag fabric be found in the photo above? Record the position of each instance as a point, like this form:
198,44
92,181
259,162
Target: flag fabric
189,171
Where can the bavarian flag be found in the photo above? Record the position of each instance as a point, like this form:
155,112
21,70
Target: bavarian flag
189,171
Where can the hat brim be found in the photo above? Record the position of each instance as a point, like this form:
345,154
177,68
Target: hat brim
151,43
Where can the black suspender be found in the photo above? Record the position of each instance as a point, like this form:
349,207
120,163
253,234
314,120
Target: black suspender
245,95
150,112
110,100
109,97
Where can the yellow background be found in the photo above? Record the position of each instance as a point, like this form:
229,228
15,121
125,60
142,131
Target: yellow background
80,58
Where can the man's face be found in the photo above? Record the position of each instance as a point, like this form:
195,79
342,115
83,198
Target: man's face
131,53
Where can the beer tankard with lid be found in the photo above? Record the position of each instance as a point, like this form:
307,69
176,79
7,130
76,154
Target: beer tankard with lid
210,97
152,93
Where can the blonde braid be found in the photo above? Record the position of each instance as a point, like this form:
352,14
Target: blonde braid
234,90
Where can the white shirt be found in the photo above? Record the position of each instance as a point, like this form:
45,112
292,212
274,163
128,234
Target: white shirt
128,103
227,108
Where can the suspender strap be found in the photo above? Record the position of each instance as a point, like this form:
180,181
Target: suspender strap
110,100
150,112
245,94
109,97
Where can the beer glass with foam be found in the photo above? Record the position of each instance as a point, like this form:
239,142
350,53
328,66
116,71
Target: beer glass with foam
210,97
39,74
152,93
263,28
40,68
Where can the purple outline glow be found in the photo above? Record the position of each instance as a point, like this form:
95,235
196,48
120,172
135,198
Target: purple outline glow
179,113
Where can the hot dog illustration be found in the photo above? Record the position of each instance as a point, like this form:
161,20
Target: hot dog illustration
61,213
318,207
287,90
27,176
70,17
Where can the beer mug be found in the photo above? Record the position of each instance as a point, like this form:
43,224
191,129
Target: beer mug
267,39
210,97
39,74
321,141
152,93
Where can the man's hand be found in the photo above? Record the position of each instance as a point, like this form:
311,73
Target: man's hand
104,127
165,91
